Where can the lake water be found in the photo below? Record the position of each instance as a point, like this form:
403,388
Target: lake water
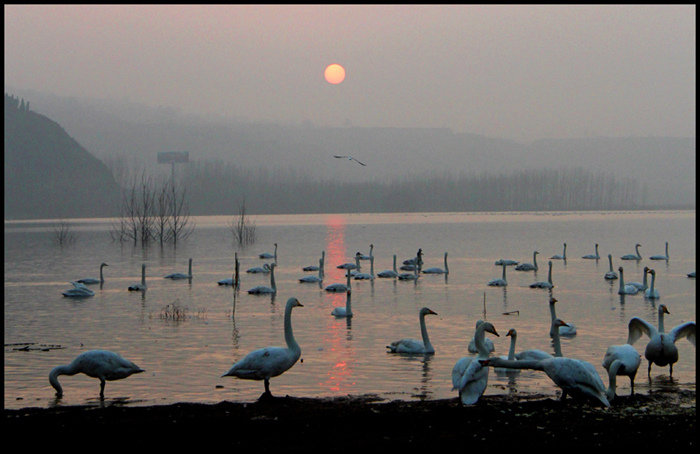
184,359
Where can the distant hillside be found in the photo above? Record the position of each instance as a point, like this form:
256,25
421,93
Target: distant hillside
47,173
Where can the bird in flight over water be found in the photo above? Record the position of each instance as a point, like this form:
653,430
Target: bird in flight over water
350,158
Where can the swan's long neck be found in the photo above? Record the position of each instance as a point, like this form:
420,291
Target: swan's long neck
69,369
622,280
535,364
371,265
479,341
275,254
288,334
504,273
143,276
102,279
348,304
661,311
564,251
348,283
549,277
447,270
644,282
358,265
272,279
610,260
320,268
651,287
534,260
596,251
395,264
636,248
557,342
189,270
424,331
667,249
612,376
511,351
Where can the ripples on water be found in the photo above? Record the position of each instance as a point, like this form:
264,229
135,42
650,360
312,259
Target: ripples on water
184,359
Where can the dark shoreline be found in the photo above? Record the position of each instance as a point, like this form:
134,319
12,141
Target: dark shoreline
658,419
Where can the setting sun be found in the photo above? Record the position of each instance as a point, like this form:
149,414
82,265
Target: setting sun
335,73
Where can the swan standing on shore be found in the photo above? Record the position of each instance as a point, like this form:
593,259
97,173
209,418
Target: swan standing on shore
529,266
560,257
341,287
610,274
568,329
142,286
652,292
661,257
621,360
102,364
268,362
643,285
499,282
344,311
436,270
181,275
661,349
469,376
414,346
92,280
592,256
78,291
547,283
267,255
261,289
389,273
314,279
632,256
624,288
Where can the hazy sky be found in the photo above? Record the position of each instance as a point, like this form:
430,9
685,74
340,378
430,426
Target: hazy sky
517,72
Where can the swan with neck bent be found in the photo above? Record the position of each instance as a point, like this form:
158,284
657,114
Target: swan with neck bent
573,376
314,279
265,269
569,329
661,257
262,289
560,257
592,256
638,256
181,275
142,286
625,289
267,255
620,360
661,349
651,292
610,275
268,362
488,343
102,364
341,287
499,282
469,376
436,270
414,346
529,266
78,291
389,273
547,283
344,311
92,280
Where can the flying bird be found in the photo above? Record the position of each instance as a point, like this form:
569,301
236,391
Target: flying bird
350,158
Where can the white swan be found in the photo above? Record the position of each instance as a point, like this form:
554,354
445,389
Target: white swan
499,282
314,279
661,349
652,292
560,257
181,275
621,360
547,283
268,362
417,260
341,287
632,256
365,276
488,343
102,364
232,279
414,346
436,270
78,291
351,266
610,274
569,329
92,280
592,256
267,255
389,273
536,354
511,354
506,262
142,286
410,276
314,267
643,285
624,288
661,257
529,266
262,289
344,311
265,269
367,257
469,376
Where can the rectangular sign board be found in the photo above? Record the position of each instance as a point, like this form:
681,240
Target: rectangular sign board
168,157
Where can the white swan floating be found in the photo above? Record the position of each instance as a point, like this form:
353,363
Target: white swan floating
545,284
365,276
568,329
469,376
268,362
78,291
267,255
506,262
367,257
643,285
610,275
341,287
265,269
314,267
638,256
349,265
92,280
661,257
652,292
499,282
262,289
414,346
560,257
176,276
621,360
344,311
592,256
436,270
389,273
624,288
529,266
661,349
142,286
102,364
410,276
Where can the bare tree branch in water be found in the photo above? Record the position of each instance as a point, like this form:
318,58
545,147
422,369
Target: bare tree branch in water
62,233
243,230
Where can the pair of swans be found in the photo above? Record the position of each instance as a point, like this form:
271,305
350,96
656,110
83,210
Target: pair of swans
102,364
268,362
545,284
661,349
92,280
78,291
263,289
177,276
611,274
389,273
592,256
142,286
470,376
436,270
320,265
499,282
314,279
267,255
661,257
529,266
414,346
636,256
560,257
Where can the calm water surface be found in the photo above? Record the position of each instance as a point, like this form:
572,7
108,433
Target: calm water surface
184,359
